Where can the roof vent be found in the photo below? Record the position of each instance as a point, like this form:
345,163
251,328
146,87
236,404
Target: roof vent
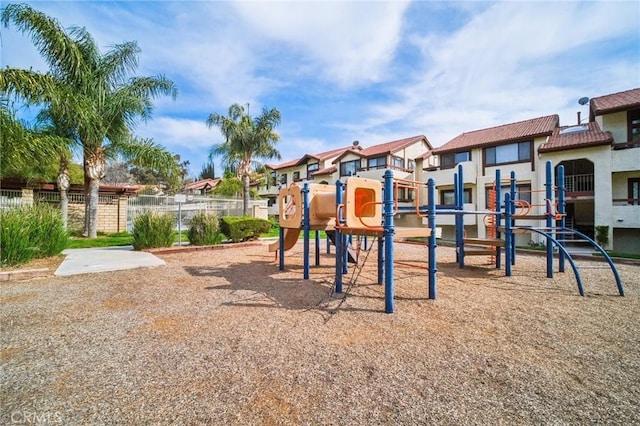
574,129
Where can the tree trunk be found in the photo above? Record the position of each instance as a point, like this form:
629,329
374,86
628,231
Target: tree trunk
91,207
63,187
93,172
245,195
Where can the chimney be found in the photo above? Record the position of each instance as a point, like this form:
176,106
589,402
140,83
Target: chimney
578,118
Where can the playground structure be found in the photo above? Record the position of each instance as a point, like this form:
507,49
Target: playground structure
361,208
501,219
366,207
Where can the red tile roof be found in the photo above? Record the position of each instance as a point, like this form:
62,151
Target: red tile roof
325,171
574,137
201,184
386,148
290,163
394,146
321,156
615,102
542,126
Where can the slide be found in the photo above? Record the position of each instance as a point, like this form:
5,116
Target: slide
350,251
290,239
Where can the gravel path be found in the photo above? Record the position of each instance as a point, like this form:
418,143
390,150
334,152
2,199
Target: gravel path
223,337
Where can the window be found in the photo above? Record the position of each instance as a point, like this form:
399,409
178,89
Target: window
406,194
296,177
397,162
634,191
447,197
312,168
411,164
283,179
272,178
449,161
634,125
511,153
523,192
349,168
377,163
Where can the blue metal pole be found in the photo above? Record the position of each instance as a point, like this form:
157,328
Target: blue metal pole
388,237
338,240
459,194
431,217
508,234
548,195
305,226
512,189
561,210
498,216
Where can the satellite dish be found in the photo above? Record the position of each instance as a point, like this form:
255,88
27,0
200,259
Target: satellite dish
583,101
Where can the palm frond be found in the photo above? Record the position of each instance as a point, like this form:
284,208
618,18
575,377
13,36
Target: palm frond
57,48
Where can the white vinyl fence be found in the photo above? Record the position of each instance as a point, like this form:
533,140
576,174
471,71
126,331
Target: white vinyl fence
192,205
142,203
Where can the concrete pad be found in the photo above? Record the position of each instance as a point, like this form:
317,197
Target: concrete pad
90,260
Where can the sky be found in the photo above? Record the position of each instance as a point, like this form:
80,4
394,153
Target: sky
372,71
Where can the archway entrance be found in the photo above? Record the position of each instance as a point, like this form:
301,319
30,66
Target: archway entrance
579,186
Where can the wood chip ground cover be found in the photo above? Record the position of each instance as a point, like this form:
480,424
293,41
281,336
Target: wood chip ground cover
223,337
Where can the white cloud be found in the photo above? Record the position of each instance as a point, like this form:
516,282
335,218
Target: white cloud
511,62
347,42
175,133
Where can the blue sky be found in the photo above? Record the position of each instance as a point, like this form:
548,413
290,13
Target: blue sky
340,71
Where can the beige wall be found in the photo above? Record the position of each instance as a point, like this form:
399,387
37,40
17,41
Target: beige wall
112,217
616,124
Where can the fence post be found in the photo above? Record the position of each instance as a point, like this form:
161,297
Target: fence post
27,197
123,203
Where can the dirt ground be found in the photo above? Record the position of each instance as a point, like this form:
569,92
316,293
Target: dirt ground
224,337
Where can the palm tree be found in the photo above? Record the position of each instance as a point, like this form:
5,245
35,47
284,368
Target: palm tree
246,139
27,150
90,94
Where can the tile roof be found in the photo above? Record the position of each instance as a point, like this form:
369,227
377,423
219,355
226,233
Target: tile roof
289,163
200,184
320,157
574,137
542,126
386,148
614,102
394,146
325,171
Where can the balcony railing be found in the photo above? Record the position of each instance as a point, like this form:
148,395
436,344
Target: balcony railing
578,183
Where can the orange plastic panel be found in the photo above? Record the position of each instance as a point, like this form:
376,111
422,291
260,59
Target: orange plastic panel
363,203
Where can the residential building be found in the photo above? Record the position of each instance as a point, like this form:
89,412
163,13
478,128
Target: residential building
201,187
510,147
401,156
602,168
601,159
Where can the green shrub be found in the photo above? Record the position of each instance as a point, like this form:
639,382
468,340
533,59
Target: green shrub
151,230
243,228
30,232
204,230
602,235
